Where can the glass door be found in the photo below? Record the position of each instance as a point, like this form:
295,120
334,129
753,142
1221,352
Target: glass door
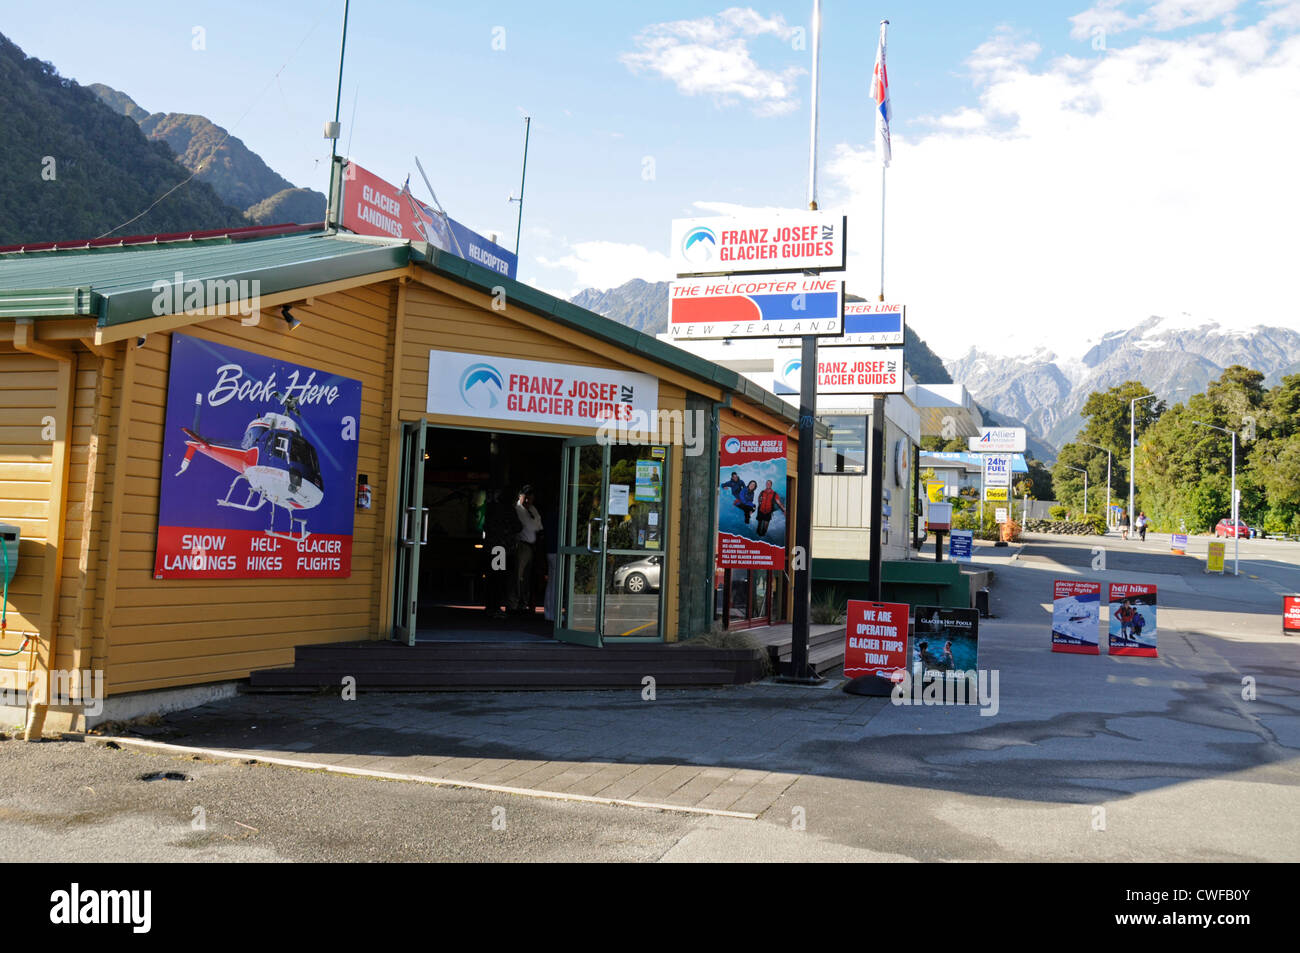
613,543
412,532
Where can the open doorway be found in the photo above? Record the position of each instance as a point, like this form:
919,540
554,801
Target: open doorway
468,477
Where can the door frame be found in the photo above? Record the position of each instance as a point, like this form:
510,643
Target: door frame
412,530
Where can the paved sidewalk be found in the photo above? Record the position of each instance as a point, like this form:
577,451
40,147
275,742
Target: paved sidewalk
609,745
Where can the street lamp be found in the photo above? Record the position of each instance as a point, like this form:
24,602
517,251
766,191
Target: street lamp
1099,447
1085,487
1236,522
1132,404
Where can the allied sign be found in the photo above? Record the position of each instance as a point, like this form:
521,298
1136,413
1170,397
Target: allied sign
872,323
1076,616
755,306
372,206
259,467
1290,615
875,640
752,503
997,470
774,241
961,544
1214,557
999,440
846,370
507,388
1132,619
996,494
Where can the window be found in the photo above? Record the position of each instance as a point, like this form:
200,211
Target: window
846,450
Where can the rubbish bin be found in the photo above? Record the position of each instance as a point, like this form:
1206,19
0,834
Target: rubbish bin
982,602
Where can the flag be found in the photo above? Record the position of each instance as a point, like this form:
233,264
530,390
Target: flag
880,93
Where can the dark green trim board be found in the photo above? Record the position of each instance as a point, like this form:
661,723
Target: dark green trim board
916,582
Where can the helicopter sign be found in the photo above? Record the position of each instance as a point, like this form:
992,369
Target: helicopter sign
259,467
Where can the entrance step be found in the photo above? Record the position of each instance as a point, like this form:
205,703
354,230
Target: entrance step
389,666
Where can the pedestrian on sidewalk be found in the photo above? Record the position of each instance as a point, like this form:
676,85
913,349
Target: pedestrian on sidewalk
1123,525
1141,525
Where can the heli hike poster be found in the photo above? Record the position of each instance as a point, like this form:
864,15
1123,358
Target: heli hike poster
752,503
1132,619
259,467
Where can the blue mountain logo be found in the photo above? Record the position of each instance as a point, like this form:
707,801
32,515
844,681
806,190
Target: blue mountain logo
481,387
732,445
699,245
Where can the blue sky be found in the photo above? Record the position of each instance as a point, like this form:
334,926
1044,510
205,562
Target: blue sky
1059,168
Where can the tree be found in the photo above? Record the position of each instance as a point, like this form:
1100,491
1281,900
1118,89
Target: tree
1107,424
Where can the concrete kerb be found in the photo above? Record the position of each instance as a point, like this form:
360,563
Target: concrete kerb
221,755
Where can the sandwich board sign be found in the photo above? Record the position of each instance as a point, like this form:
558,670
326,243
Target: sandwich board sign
960,543
1291,615
1214,557
1076,616
875,640
1132,619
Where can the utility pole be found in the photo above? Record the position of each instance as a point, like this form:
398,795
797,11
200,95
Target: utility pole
1236,518
523,177
1132,442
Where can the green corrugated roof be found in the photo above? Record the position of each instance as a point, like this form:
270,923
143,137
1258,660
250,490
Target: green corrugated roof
115,285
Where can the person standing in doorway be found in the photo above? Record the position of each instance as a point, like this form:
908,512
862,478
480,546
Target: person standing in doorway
768,503
530,522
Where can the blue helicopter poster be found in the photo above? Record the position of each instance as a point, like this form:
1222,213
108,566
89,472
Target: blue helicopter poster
259,467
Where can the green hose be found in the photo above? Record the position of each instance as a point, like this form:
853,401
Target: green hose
4,607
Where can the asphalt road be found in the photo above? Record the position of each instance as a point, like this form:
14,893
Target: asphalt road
1189,756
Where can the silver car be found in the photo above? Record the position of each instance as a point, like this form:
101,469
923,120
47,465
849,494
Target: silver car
641,575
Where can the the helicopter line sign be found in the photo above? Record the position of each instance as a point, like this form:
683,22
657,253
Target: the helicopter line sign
259,467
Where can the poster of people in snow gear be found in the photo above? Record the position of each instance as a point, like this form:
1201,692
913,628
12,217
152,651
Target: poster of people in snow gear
752,503
1132,619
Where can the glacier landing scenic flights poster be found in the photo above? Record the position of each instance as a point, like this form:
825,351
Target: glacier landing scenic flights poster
259,467
1076,615
752,503
1132,619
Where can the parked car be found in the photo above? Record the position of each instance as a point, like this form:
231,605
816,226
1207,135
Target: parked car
641,575
1225,528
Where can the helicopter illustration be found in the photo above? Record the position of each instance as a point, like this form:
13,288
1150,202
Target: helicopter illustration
274,461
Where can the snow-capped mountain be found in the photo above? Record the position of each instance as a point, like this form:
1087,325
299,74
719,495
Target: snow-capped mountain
1174,357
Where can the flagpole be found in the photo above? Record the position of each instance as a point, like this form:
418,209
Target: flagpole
801,611
883,170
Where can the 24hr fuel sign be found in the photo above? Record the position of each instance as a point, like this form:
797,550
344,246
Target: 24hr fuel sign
259,465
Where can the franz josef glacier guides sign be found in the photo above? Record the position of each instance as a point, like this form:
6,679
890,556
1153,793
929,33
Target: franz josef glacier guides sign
788,240
507,388
259,467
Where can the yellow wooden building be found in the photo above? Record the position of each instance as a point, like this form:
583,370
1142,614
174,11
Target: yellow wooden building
86,344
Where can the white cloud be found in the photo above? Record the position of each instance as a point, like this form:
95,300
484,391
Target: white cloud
1154,179
603,265
710,56
1109,16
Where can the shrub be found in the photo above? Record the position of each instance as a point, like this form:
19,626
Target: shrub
826,608
1056,512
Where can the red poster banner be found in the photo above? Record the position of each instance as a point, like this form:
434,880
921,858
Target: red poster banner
1076,616
1132,619
875,640
1291,615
